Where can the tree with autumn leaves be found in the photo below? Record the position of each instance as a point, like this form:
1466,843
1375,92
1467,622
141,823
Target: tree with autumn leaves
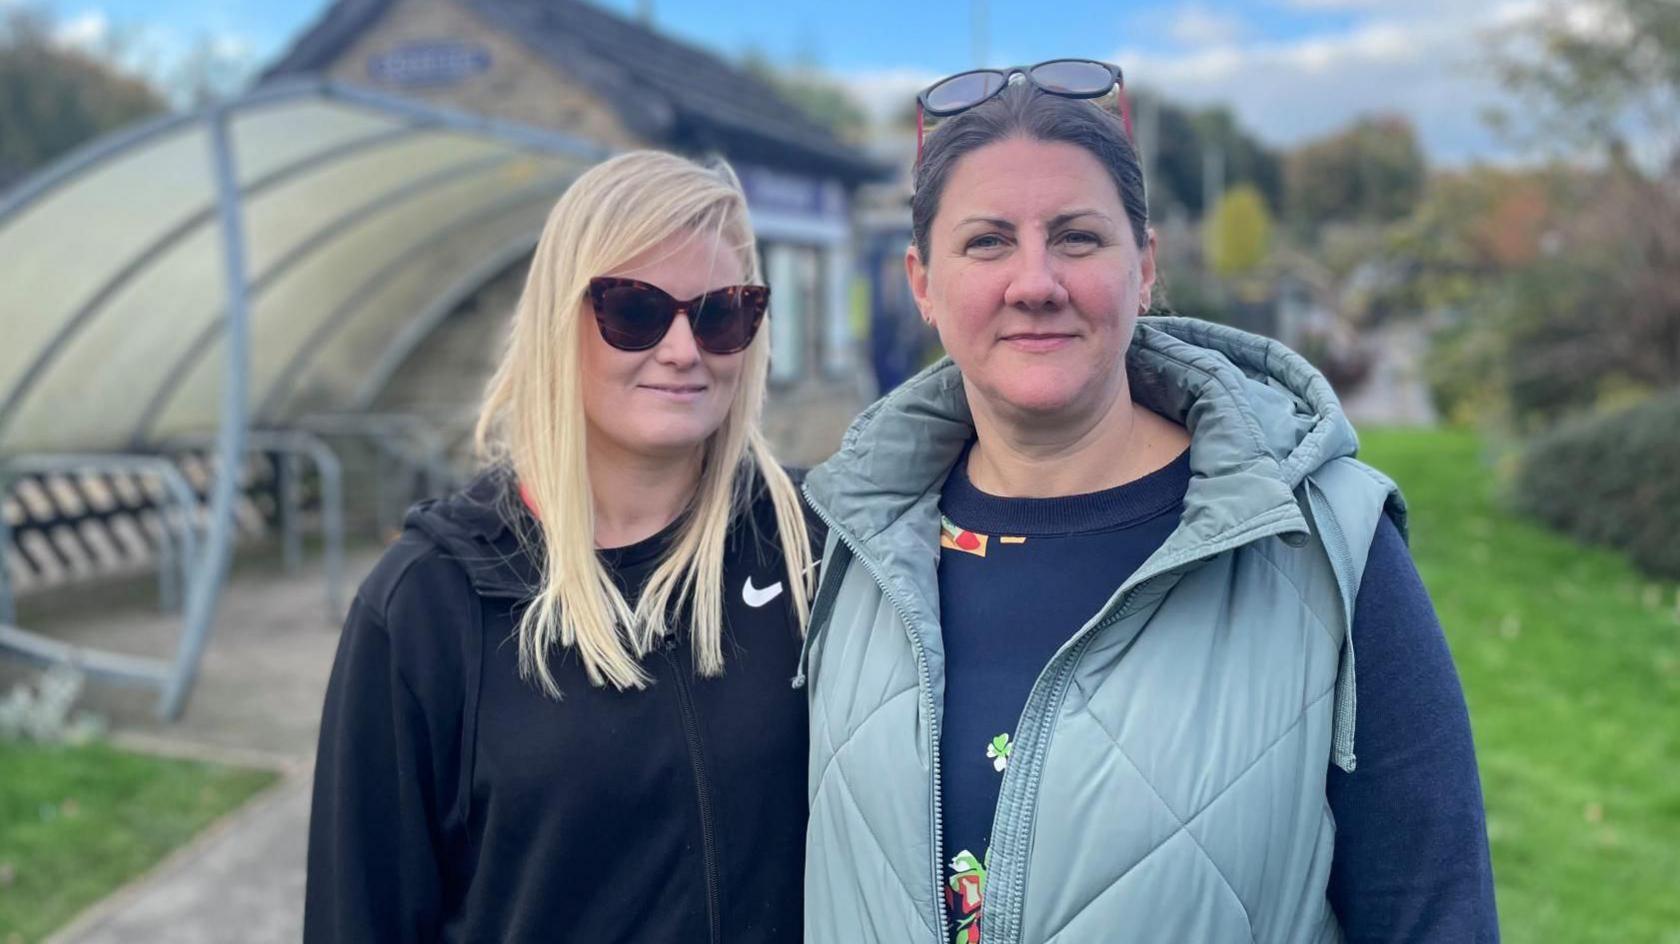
1560,285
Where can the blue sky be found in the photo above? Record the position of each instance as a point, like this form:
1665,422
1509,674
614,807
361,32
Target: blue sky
1291,69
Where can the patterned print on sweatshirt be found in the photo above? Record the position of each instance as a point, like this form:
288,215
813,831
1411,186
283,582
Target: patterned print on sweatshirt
966,888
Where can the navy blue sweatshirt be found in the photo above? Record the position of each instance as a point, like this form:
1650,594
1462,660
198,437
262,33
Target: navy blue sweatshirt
1017,577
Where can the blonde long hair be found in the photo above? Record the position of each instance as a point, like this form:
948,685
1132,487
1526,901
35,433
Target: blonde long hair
533,420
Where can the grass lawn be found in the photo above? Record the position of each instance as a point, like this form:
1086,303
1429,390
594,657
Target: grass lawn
1571,664
77,822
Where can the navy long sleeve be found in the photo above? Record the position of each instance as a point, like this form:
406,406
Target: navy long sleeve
1411,861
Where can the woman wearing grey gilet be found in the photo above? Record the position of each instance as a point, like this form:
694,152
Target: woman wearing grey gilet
1082,664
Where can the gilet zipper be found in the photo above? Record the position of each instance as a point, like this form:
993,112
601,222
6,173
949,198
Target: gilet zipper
926,685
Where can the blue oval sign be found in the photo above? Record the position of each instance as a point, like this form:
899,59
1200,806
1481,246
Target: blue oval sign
429,62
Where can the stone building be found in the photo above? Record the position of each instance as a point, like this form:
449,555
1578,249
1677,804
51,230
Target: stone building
568,66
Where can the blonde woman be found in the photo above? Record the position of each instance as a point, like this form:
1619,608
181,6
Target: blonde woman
561,709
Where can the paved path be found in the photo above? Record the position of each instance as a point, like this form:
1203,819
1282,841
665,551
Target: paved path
1397,391
241,881
258,702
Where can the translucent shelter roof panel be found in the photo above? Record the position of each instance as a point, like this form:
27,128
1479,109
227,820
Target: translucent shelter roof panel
357,212
368,347
301,229
347,271
55,253
284,136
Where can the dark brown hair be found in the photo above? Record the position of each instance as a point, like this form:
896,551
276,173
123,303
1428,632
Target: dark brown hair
1024,111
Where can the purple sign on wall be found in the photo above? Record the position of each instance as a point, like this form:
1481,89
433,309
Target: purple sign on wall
430,62
793,194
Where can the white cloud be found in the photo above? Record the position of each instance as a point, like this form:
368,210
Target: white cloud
885,93
1195,25
1331,4
231,46
89,31
1361,6
1426,65
1424,59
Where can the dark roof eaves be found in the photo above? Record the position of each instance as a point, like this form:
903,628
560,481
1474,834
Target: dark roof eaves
653,105
601,63
325,39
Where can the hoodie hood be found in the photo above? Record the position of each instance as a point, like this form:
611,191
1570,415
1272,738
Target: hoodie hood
1260,420
479,528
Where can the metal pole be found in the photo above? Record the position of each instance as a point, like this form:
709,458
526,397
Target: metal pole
435,457
184,522
291,507
381,489
293,444
434,454
212,565
8,606
433,460
332,522
171,567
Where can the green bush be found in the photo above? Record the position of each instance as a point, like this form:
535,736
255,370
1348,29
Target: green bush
1613,480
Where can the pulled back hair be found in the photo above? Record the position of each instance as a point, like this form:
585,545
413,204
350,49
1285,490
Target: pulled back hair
1021,110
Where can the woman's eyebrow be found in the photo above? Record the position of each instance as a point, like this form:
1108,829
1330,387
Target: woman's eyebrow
989,221
1057,221
1062,219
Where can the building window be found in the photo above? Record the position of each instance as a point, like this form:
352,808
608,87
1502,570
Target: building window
796,310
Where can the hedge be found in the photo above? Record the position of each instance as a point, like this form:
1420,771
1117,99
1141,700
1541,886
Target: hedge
1613,480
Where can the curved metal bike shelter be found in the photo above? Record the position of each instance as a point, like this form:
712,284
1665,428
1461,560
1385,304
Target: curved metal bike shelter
270,259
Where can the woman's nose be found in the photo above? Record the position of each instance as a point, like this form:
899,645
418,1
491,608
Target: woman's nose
678,347
1035,283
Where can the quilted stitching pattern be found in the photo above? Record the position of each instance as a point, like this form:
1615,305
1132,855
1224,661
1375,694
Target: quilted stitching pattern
1185,822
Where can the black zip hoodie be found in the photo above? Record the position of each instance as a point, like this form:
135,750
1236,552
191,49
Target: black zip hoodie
455,802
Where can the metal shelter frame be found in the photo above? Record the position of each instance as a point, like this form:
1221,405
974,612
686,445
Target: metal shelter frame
292,445
204,558
402,437
179,535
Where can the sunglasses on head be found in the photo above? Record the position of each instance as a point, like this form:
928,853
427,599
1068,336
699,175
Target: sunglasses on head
1069,78
634,316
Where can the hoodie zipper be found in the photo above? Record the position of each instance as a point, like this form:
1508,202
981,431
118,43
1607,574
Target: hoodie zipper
703,793
927,706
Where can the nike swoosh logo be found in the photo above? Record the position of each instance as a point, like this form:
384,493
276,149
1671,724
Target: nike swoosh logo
756,597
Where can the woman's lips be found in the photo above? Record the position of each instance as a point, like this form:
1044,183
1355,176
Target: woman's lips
1038,343
679,393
